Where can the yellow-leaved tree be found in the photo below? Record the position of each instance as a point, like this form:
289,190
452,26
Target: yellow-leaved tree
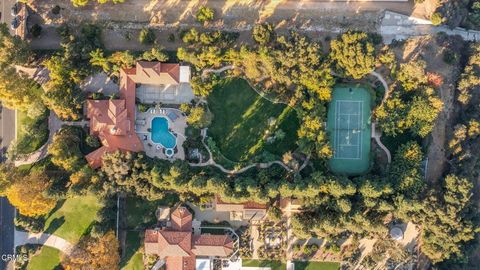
27,194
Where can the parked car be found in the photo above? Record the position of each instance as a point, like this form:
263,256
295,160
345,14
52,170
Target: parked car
15,23
15,9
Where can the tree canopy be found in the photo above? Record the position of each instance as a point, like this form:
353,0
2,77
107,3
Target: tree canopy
354,54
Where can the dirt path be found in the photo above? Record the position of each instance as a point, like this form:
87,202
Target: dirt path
123,22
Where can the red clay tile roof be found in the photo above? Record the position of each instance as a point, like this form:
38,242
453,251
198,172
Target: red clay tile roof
180,248
212,245
113,121
182,219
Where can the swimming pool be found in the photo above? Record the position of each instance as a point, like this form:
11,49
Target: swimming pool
161,134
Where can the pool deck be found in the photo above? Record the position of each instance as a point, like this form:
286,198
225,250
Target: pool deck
144,122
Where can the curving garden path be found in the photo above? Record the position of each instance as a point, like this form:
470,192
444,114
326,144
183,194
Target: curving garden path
376,135
44,239
211,162
54,125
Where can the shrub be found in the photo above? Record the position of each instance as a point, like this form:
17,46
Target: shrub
147,36
449,56
436,18
263,33
205,14
92,141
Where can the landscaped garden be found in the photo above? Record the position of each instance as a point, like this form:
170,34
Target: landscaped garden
246,125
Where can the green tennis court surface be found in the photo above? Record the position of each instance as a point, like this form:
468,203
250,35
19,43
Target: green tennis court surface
349,128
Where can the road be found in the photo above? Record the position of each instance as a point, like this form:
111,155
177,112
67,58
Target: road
6,12
7,130
7,230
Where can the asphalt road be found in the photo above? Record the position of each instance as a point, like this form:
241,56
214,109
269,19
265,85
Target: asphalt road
7,130
7,229
6,6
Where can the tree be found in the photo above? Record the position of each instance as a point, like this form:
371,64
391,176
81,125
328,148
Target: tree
354,54
155,54
91,253
146,36
8,175
13,50
98,59
436,18
121,59
199,117
62,94
65,149
81,3
17,91
447,221
205,14
27,194
263,33
412,75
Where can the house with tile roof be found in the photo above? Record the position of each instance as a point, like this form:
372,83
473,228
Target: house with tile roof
180,247
113,121
245,211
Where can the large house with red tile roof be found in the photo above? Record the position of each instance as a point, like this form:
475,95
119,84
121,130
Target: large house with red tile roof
113,121
180,248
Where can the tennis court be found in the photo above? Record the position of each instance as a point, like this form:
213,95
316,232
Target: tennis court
349,128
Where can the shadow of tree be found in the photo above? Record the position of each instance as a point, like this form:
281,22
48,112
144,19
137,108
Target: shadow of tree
133,244
55,224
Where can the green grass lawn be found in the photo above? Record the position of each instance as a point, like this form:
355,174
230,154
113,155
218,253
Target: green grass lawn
275,265
72,218
317,266
133,259
47,259
31,133
241,119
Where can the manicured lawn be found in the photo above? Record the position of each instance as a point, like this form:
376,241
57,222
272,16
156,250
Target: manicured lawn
241,119
275,265
133,259
47,259
141,213
317,266
73,218
31,133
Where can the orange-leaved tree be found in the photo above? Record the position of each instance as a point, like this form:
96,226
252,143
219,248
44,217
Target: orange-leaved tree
94,253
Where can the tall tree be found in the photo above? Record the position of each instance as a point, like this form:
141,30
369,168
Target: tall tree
354,54
27,194
94,254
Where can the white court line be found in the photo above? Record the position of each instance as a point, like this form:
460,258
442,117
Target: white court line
350,132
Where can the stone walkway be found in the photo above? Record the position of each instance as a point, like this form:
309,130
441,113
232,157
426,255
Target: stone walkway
44,239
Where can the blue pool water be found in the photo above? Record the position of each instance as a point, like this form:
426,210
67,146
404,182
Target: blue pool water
160,133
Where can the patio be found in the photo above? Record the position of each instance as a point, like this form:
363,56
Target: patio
176,123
